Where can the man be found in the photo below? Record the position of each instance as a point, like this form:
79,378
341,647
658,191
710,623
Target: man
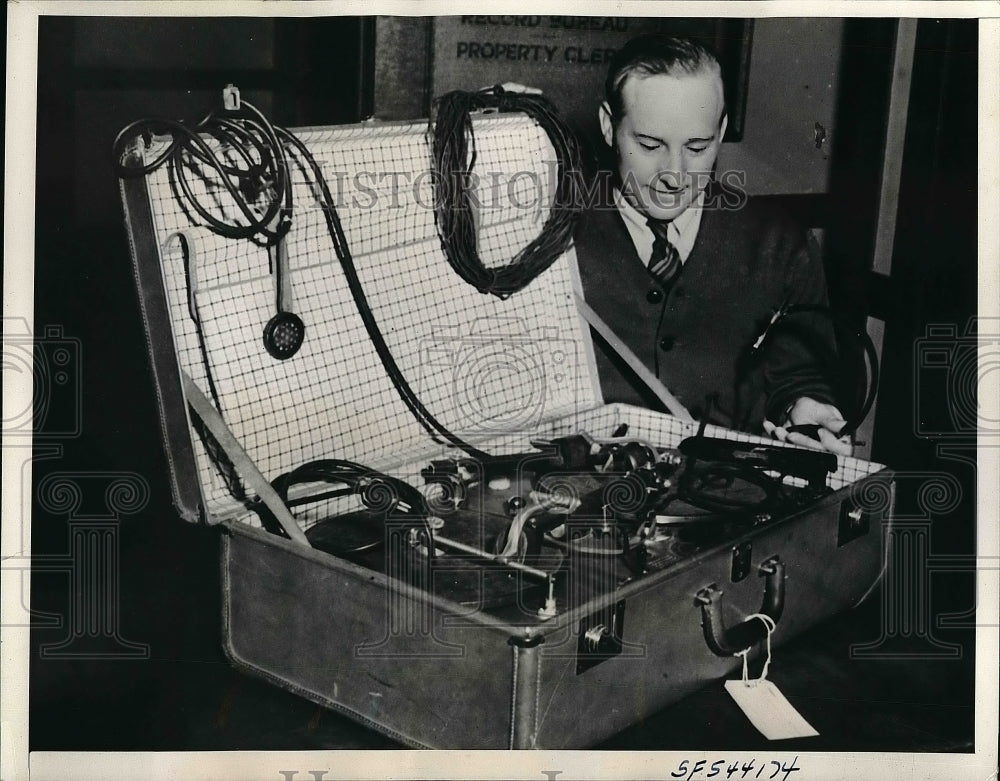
689,272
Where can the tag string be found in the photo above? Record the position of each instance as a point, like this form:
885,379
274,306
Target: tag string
771,626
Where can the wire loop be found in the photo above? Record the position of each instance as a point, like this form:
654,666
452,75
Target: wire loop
250,157
454,156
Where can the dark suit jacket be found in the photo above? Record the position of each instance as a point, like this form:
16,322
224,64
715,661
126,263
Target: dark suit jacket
696,337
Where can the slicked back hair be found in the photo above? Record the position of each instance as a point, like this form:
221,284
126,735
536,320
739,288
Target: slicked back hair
657,54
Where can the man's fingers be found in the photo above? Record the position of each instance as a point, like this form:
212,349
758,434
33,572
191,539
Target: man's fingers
827,440
803,441
781,433
810,430
778,432
834,445
513,86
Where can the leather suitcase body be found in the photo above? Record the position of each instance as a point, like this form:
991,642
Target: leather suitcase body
467,652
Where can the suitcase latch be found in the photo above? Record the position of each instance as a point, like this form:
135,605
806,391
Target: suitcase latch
855,522
741,562
600,637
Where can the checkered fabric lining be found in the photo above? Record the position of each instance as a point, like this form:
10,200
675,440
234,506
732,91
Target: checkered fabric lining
482,366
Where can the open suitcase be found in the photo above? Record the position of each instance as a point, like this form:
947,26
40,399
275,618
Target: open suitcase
437,627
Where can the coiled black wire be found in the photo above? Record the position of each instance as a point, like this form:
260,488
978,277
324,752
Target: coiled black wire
454,152
248,160
262,172
377,490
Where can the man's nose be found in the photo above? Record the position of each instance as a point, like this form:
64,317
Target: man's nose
672,170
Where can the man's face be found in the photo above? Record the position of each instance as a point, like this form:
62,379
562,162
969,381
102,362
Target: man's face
667,141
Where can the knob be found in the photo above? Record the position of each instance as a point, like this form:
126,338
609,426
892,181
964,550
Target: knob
514,504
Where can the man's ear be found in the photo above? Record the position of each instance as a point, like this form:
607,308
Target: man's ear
607,123
723,125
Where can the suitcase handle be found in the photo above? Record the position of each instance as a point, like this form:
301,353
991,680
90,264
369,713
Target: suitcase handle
724,641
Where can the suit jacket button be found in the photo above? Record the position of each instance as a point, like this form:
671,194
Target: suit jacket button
667,343
654,296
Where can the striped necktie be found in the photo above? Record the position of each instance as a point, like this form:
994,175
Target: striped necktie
665,262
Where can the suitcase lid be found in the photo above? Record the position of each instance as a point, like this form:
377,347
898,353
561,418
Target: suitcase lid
483,366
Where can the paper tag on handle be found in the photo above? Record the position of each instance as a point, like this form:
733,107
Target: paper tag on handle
768,710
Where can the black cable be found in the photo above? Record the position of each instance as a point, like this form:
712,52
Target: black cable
435,428
454,153
359,478
714,469
378,491
264,171
262,177
250,164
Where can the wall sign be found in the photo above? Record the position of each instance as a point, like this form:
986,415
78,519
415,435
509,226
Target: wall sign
567,57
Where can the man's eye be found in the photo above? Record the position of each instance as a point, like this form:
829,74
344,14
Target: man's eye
648,147
697,149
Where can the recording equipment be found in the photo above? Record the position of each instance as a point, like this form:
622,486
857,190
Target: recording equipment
240,153
285,332
516,523
421,522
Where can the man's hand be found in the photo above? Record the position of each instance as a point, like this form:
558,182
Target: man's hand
806,411
520,89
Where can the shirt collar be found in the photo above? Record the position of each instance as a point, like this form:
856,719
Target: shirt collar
681,232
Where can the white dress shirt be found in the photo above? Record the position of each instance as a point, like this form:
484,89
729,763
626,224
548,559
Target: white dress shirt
681,232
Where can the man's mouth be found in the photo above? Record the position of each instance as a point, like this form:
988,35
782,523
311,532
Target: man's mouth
663,196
